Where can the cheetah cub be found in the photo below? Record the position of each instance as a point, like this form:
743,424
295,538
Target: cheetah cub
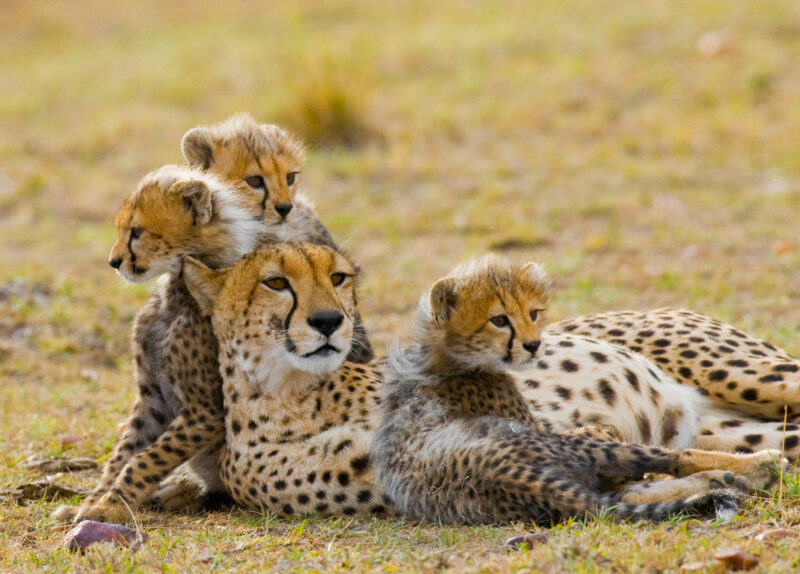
266,161
458,442
173,212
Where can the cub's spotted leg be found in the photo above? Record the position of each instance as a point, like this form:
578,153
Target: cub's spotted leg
145,424
142,474
730,366
631,461
150,414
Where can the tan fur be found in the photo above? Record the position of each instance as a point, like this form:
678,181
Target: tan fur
298,423
240,150
178,411
744,380
458,443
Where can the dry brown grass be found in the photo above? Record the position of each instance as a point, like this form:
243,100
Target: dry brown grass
590,135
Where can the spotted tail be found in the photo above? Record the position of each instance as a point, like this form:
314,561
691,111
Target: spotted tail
717,503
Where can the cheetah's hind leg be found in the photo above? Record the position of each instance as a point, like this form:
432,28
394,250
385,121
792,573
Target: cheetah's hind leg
732,432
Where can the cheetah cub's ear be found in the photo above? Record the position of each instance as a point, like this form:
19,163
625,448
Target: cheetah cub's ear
196,198
443,298
538,278
197,146
204,283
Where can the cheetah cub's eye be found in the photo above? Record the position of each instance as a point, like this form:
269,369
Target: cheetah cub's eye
255,181
338,278
534,315
291,177
499,320
136,232
276,283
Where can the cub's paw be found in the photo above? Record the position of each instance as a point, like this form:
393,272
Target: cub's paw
761,469
180,494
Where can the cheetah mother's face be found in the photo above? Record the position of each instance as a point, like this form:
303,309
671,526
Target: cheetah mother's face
284,307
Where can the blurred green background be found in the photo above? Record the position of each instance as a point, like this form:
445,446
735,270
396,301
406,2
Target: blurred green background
646,153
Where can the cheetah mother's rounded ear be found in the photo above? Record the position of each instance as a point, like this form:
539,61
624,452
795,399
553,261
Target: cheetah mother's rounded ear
204,283
443,297
197,146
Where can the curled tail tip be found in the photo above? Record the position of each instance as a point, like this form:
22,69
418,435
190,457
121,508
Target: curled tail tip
717,504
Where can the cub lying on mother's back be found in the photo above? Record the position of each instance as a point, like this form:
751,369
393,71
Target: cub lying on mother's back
267,160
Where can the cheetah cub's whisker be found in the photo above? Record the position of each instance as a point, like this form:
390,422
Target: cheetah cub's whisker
458,442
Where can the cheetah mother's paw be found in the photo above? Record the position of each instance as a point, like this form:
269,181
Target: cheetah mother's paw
110,508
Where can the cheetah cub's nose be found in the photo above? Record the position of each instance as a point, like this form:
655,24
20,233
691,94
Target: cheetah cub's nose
532,346
115,263
283,209
326,322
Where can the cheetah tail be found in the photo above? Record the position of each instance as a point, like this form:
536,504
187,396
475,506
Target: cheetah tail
717,503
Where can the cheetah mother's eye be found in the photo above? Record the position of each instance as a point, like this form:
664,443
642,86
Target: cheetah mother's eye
338,278
136,232
499,320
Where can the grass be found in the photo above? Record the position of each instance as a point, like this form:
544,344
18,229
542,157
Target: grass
590,135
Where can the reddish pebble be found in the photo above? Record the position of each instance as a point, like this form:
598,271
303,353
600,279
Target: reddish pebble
89,532
530,540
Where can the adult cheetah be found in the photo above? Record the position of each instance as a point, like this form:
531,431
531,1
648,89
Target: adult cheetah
298,422
732,368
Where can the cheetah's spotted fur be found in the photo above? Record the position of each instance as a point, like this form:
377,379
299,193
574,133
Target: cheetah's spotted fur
459,444
172,213
746,381
298,421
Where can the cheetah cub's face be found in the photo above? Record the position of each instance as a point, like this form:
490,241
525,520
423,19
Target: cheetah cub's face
263,161
165,217
283,308
488,314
